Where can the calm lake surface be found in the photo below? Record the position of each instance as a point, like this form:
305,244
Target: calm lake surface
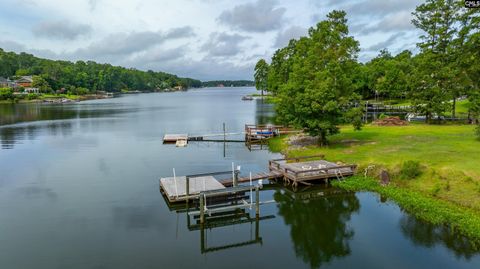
79,188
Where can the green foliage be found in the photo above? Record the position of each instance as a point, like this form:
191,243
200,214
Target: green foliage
319,89
280,67
40,83
460,219
477,131
261,75
6,94
387,76
90,75
354,116
228,83
410,169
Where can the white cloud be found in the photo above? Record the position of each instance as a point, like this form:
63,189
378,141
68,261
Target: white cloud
204,39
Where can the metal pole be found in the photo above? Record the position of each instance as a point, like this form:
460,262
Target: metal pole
251,194
234,175
257,202
175,180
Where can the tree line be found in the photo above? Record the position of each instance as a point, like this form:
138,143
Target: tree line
228,83
319,82
86,77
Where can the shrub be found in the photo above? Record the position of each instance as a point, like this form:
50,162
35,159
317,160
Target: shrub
410,170
436,189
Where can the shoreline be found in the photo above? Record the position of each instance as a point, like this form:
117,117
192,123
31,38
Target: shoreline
446,192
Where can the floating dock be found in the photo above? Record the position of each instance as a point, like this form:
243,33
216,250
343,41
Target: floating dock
173,138
176,187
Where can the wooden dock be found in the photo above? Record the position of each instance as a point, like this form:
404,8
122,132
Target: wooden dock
293,171
301,172
173,138
176,187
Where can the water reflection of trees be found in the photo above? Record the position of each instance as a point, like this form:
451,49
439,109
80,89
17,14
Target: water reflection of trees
318,227
264,112
430,235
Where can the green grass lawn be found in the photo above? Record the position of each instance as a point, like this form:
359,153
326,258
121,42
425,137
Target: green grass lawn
449,155
68,96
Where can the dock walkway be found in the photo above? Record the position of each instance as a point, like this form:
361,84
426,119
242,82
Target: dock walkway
293,171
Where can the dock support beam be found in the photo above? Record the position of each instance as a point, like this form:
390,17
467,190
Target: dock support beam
187,190
202,208
235,178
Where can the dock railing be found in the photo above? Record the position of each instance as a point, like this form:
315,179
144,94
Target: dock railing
275,163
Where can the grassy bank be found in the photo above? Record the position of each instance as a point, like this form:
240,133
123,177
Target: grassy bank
463,220
448,157
43,97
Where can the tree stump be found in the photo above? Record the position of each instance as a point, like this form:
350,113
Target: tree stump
384,177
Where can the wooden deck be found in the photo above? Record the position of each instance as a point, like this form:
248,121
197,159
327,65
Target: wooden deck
294,171
301,172
176,189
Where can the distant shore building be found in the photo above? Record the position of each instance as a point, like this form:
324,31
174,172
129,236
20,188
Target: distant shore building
7,83
25,81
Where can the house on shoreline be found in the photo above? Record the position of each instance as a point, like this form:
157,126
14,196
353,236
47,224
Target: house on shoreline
25,81
7,83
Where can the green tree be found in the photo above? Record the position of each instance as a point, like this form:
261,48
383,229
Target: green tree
320,89
261,75
6,93
280,67
449,30
40,83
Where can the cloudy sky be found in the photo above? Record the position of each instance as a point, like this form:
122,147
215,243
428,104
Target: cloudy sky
203,39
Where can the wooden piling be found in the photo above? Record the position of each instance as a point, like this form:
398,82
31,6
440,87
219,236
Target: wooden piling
202,208
187,188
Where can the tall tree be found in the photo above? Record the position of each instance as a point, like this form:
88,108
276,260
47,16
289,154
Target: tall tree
449,30
320,87
261,75
280,67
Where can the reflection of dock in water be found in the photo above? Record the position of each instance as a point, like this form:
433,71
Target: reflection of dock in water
238,214
224,211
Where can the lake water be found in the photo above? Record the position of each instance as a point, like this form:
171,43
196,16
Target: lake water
79,188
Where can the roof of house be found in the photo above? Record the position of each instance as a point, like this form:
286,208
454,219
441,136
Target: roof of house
25,79
2,79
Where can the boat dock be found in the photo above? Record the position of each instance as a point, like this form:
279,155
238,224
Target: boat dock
173,138
254,135
292,170
301,172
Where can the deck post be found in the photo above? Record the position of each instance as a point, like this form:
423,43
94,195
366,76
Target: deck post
202,208
187,183
235,178
257,201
